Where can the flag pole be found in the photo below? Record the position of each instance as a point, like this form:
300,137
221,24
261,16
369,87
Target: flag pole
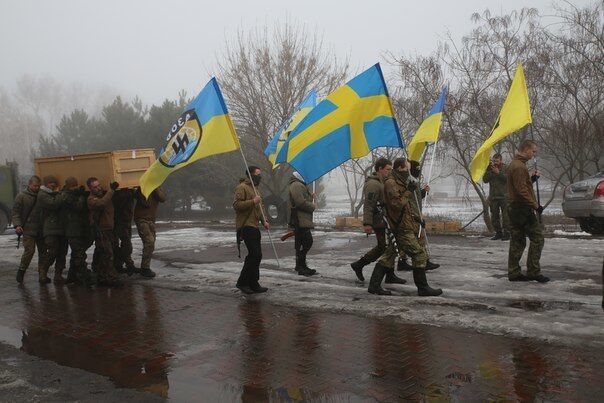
432,163
537,179
268,231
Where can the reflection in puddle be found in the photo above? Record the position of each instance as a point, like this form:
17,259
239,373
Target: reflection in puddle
541,306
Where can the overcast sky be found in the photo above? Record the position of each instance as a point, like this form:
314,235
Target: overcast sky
155,48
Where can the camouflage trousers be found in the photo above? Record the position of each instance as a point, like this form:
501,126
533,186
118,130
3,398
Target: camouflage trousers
56,252
408,245
123,246
146,230
421,240
78,269
497,206
524,223
30,244
104,246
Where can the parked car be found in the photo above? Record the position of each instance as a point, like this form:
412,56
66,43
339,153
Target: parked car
584,201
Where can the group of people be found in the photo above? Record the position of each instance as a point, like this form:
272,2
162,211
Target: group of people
55,219
393,211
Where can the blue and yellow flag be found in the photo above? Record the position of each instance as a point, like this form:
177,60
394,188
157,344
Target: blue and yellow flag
203,129
350,122
279,138
428,130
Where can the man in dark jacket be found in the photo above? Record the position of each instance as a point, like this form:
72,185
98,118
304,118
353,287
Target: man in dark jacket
373,220
524,213
301,207
145,214
50,202
123,205
101,213
25,219
247,204
496,177
77,232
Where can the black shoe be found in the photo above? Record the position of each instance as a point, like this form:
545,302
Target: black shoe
357,267
130,270
431,266
423,289
497,236
258,289
20,275
147,273
506,236
375,282
539,278
403,265
304,271
391,278
518,277
245,289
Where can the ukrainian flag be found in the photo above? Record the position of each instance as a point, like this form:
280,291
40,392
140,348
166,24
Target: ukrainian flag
353,120
279,138
428,130
203,129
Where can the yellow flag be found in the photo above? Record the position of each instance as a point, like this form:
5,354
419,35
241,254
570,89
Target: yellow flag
514,115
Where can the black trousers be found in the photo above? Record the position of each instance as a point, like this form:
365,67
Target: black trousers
250,273
303,243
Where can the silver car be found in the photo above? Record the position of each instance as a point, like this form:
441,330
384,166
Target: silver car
584,201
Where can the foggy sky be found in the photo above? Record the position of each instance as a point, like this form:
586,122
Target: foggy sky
155,48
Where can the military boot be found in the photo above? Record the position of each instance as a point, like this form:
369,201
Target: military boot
431,266
506,236
71,275
301,269
391,278
42,275
423,289
308,269
375,282
357,267
58,276
20,275
403,265
498,235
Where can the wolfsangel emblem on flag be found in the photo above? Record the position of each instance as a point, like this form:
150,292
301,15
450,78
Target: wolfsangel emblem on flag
182,140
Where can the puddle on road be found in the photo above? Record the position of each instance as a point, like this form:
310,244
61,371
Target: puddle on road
541,306
184,345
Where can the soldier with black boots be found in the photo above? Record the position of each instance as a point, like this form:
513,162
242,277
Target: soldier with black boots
145,214
123,205
373,221
248,214
496,177
301,207
26,220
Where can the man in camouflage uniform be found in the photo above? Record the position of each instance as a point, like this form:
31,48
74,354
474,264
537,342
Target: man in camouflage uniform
77,232
145,214
301,207
416,206
123,205
497,179
373,221
100,208
50,203
247,204
398,189
25,219
524,213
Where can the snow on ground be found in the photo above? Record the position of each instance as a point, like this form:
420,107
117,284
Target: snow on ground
477,295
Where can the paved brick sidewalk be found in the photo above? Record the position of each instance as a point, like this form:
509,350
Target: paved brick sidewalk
190,345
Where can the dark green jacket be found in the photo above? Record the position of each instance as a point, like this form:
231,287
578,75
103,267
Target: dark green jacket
50,204
26,213
373,193
75,214
301,206
497,183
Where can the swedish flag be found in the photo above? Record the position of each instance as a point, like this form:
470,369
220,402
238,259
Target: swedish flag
274,146
203,129
353,120
428,130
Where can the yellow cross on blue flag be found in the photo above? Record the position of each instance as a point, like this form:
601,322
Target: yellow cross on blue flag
353,120
515,114
428,130
203,129
277,141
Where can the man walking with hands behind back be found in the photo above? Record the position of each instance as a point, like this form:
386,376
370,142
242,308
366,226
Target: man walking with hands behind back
524,213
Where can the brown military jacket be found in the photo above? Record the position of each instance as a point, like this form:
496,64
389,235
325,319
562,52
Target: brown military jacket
300,204
373,193
26,213
101,210
519,186
247,214
146,209
396,197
